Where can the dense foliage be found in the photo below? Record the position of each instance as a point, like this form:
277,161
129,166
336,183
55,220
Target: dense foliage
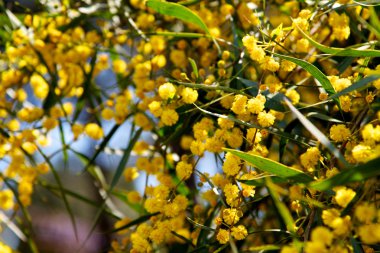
253,125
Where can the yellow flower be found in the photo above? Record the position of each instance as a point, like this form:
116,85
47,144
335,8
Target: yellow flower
142,121
77,130
169,117
340,25
287,66
184,170
231,215
155,108
329,215
197,147
269,63
50,123
5,248
365,212
130,174
13,125
139,243
107,113
369,234
256,105
339,133
343,195
234,138
167,90
323,235
6,199
341,226
189,95
231,165
119,66
223,236
310,158
121,223
239,104
231,193
134,197
363,153
239,232
94,131
265,119
225,123
178,57
315,247
40,86
186,141
289,249
293,95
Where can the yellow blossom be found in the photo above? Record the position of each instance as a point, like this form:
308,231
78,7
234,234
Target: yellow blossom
94,131
343,195
223,236
167,91
184,170
339,133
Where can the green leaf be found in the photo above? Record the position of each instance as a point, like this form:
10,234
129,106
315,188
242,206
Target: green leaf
101,147
313,70
341,51
62,191
134,222
274,101
122,195
194,67
260,181
55,190
252,86
317,133
273,167
63,141
178,11
356,245
124,159
325,117
355,86
281,207
263,248
178,34
356,174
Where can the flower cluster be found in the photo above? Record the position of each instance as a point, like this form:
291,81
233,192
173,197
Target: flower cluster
205,79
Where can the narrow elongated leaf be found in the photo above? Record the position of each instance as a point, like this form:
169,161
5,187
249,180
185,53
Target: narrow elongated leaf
355,174
124,159
261,181
135,222
179,34
323,117
122,195
342,51
317,134
194,67
62,191
55,190
178,11
313,70
252,86
273,167
264,248
102,146
281,207
355,86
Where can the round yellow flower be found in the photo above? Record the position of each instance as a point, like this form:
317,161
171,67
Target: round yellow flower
94,131
339,133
